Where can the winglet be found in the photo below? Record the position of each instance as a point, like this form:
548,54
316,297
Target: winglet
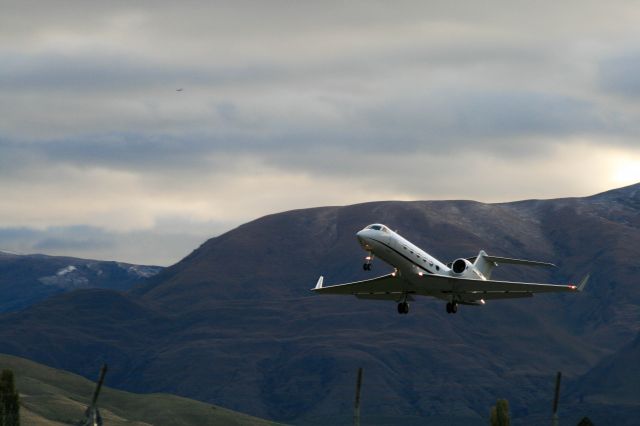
583,283
319,283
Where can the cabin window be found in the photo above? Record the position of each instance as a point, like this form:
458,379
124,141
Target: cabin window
437,268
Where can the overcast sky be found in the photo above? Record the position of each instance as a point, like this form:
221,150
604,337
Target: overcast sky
294,104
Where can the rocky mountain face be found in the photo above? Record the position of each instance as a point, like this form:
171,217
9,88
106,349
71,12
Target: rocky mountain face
235,324
28,279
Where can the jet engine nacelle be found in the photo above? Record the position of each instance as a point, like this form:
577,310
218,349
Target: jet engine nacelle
459,266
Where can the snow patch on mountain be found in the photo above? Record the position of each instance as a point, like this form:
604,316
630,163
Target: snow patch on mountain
65,271
68,278
141,271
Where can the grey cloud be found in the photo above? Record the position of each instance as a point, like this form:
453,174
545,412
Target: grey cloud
54,239
442,122
135,152
476,115
103,71
260,17
214,63
9,236
619,75
74,239
138,153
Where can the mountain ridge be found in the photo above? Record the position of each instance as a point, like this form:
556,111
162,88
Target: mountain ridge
28,279
238,312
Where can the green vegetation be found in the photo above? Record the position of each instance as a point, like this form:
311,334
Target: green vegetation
9,400
500,413
56,397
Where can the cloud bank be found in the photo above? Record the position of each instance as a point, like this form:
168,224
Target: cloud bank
297,105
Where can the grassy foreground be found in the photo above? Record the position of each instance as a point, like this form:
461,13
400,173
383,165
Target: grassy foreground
56,397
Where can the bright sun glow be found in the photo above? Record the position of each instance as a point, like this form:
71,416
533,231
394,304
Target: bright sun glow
626,171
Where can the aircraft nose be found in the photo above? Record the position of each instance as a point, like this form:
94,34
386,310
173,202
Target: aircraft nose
362,237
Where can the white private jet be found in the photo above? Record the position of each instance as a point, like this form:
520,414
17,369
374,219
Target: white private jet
463,281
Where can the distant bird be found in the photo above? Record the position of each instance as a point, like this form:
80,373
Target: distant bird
179,90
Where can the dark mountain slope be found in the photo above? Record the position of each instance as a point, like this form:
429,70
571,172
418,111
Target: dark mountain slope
28,279
614,380
234,323
609,391
78,330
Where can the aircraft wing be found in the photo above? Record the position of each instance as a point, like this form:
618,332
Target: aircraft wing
470,290
392,287
386,287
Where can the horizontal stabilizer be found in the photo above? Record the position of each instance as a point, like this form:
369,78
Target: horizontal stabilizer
499,260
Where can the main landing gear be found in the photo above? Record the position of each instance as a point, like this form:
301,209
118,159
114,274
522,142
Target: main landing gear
452,307
367,263
403,308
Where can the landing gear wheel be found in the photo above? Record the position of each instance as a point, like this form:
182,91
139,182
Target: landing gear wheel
403,308
454,308
449,306
367,262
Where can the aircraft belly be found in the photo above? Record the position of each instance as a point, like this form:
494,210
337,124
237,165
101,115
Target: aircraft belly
423,285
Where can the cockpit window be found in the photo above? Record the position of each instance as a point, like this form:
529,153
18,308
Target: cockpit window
378,228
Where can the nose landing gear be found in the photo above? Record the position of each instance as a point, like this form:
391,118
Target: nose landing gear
452,307
367,263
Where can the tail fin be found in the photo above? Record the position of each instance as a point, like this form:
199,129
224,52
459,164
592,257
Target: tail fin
485,263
